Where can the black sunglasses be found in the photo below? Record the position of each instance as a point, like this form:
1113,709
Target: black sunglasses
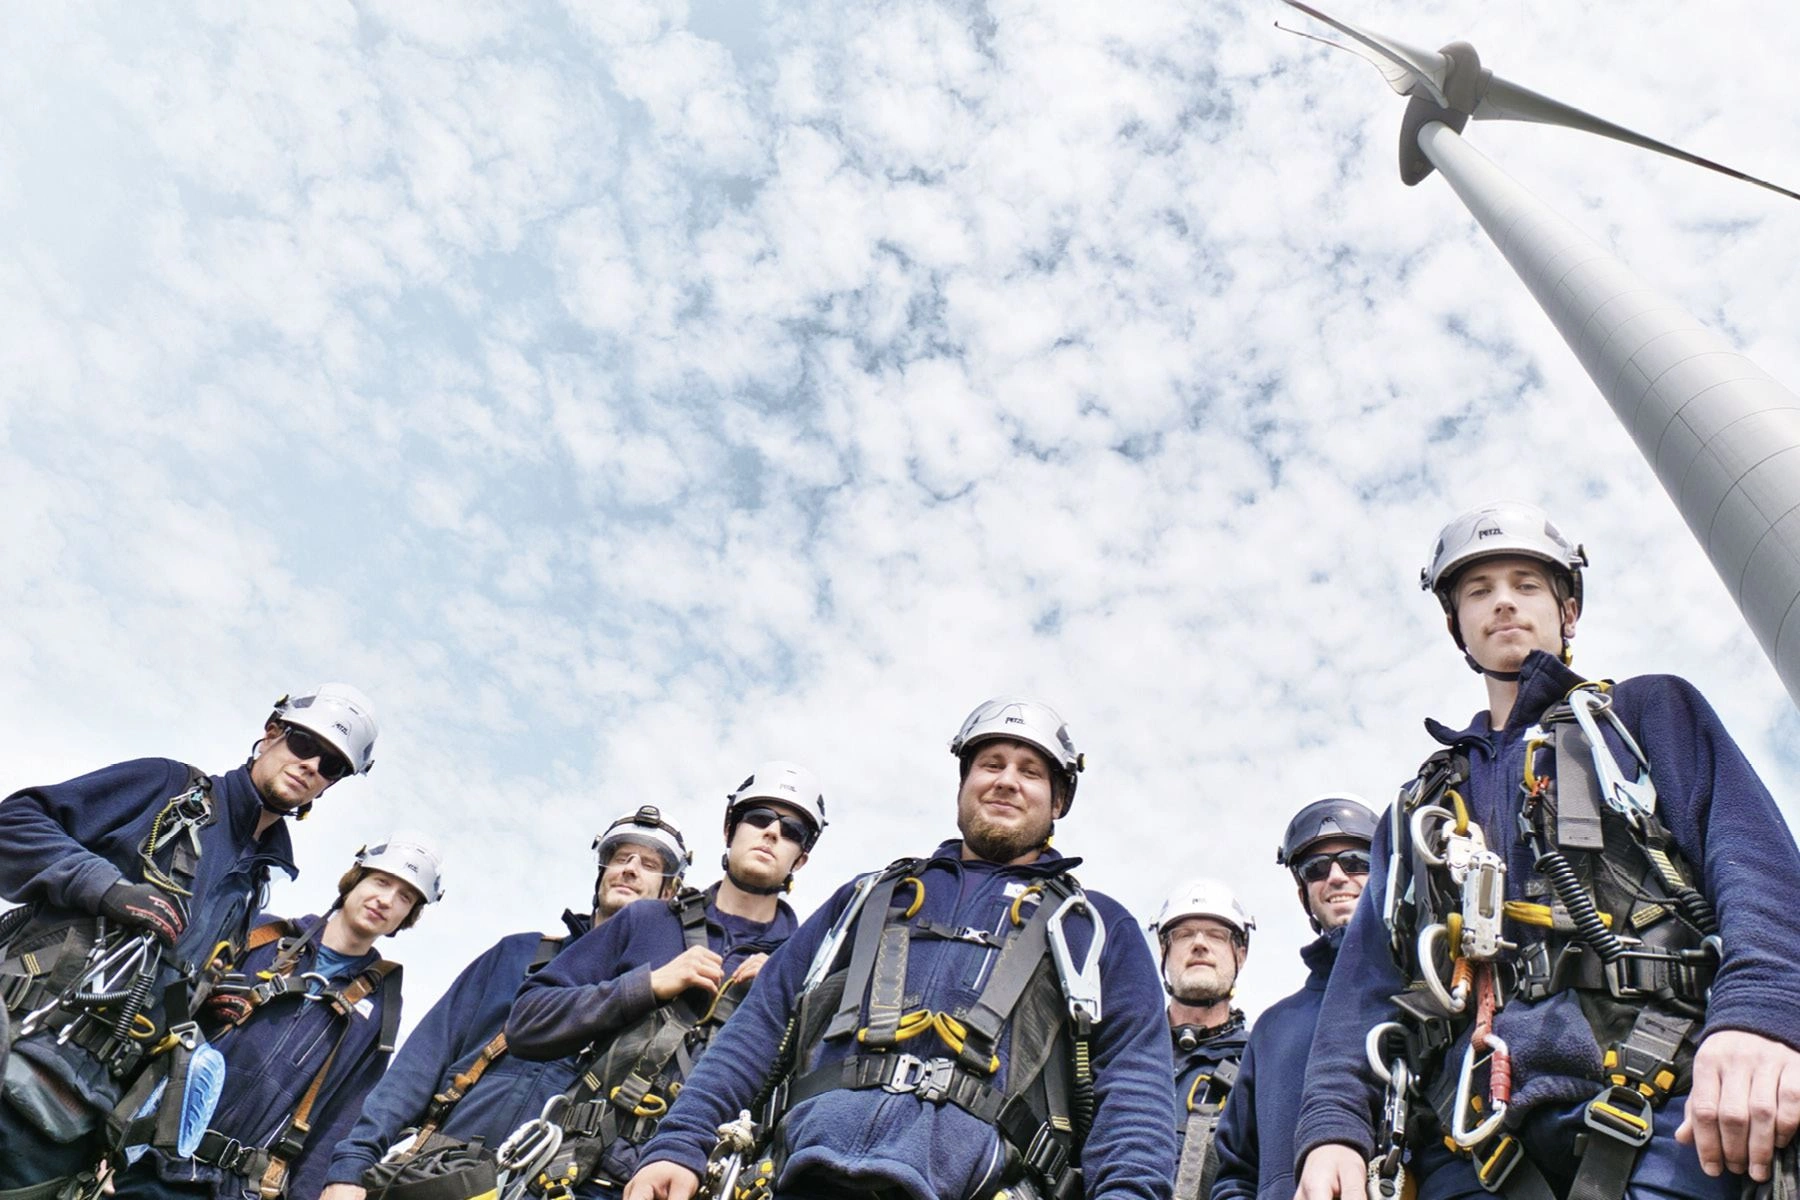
1316,867
304,744
792,828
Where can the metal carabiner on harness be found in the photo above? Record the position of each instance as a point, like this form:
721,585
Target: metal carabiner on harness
1460,1133
530,1147
1387,1168
1452,999
840,929
1081,986
1636,799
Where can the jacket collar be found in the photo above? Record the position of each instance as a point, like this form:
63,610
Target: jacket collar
1321,953
1050,862
1543,680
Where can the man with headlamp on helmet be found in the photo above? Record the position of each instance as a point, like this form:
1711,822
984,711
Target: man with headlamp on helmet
1588,920
1326,849
143,872
1204,935
966,1025
304,1024
637,999
454,1082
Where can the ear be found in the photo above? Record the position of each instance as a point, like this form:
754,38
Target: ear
799,862
1571,614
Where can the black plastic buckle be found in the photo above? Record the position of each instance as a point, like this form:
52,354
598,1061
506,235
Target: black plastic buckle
226,1153
1046,1157
927,1078
1622,1113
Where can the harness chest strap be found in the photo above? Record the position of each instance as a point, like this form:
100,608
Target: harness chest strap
1198,1165
1032,1114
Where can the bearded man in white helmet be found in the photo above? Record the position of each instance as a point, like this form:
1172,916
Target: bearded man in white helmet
163,869
1204,936
304,1024
1573,965
957,1027
454,1082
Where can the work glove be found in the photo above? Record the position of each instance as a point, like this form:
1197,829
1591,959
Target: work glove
144,907
229,1008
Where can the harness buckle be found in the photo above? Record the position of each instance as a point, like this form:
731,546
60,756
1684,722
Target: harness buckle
1494,1170
1622,1113
927,1078
1046,1156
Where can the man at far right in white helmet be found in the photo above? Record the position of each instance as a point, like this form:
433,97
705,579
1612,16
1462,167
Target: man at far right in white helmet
1326,849
1575,973
1204,935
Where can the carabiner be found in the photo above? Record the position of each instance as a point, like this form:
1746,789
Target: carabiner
1452,1001
1460,1133
1372,1048
1080,986
1635,800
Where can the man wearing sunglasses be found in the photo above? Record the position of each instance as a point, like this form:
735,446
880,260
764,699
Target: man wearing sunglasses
164,865
1204,935
967,1025
645,992
454,1081
1326,849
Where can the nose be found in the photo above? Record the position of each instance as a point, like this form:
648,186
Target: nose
1338,874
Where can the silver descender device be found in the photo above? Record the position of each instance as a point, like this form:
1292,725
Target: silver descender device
737,1142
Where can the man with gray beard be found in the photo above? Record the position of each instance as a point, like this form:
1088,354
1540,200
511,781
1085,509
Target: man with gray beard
1204,934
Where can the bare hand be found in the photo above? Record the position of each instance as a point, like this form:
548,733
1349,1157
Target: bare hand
1333,1172
1745,1103
343,1191
695,967
748,968
659,1181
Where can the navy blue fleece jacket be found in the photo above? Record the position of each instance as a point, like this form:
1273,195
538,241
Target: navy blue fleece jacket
442,1046
67,843
1256,1135
600,985
270,1061
1719,814
930,1151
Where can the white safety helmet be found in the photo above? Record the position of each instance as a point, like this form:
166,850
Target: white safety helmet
1203,898
1502,527
647,827
338,713
786,782
410,858
1027,721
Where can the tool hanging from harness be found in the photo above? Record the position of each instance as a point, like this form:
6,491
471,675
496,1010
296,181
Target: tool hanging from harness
93,981
1609,911
1036,992
1198,1165
269,1164
624,1090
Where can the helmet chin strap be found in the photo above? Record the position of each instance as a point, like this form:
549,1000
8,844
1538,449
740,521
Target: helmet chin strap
1503,676
755,889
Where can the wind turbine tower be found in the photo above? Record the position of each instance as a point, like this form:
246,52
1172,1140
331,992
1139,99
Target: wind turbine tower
1722,436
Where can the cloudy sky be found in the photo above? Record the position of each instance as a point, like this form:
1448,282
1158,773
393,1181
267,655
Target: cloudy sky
625,393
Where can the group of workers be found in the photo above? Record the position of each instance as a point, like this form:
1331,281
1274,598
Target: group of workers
1557,967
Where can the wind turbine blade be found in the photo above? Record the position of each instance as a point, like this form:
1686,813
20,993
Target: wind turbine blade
1406,68
1399,78
1507,101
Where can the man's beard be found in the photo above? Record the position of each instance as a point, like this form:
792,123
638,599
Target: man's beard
997,843
1215,989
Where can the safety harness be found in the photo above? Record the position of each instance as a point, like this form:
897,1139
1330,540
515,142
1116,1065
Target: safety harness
1035,991
624,1089
270,1165
90,980
1204,1105
1609,912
